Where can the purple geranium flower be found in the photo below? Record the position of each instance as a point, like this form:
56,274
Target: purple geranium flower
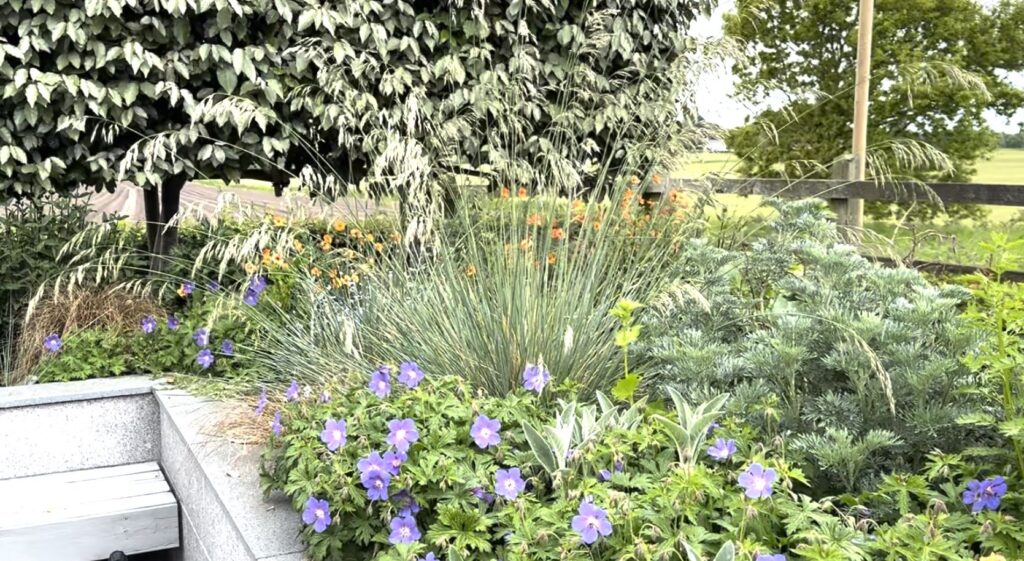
402,434
722,449
292,394
409,373
148,324
485,431
371,463
404,530
757,481
981,495
261,403
201,336
187,287
509,483
605,475
317,513
52,342
407,505
251,297
172,322
205,358
770,557
535,377
376,483
334,434
482,495
394,460
257,284
380,381
619,467
227,348
213,286
275,425
711,428
591,522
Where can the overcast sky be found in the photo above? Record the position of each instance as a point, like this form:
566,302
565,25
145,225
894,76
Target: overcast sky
717,104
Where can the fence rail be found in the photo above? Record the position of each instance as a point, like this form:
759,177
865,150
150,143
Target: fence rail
948,193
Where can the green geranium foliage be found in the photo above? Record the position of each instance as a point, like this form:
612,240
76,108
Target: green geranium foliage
450,488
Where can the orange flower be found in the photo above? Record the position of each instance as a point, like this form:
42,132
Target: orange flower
297,245
250,268
597,224
505,193
396,237
634,180
551,258
339,225
369,238
354,279
315,271
349,254
522,192
327,239
557,233
333,274
379,247
534,220
470,270
355,233
656,179
337,283
526,244
279,220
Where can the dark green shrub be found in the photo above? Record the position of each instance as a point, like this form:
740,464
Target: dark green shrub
859,365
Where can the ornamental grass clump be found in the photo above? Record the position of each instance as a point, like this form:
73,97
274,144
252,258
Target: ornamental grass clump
505,285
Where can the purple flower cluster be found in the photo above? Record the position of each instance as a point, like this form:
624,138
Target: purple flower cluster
757,481
252,293
335,434
201,337
535,377
187,287
227,347
402,433
52,342
275,425
509,483
375,475
148,324
172,322
485,432
205,358
410,374
404,530
380,381
986,494
722,449
591,522
261,403
317,513
292,394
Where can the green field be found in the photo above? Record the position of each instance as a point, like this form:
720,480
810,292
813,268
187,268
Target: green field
942,240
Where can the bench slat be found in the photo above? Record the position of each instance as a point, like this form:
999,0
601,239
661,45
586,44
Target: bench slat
87,514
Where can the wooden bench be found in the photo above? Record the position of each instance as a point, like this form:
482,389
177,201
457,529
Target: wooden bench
88,514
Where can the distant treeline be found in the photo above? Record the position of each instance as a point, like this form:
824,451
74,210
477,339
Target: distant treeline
1012,140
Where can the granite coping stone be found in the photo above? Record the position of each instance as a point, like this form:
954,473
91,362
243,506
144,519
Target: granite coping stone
269,527
97,388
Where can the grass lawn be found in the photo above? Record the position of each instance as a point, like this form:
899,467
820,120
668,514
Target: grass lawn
942,240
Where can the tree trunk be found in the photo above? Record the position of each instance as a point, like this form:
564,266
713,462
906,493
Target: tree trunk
161,206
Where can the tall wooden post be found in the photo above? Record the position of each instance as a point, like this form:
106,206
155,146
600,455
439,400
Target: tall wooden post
855,207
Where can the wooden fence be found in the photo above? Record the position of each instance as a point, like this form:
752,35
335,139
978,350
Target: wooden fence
838,190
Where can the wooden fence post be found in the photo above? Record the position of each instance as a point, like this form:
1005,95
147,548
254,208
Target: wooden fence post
849,212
